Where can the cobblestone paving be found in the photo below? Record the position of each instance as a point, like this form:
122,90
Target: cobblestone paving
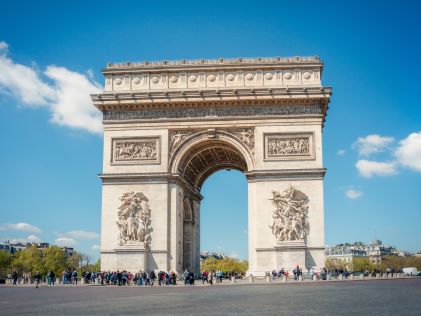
373,297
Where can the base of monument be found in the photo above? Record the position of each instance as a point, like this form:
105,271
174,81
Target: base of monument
287,255
129,257
290,254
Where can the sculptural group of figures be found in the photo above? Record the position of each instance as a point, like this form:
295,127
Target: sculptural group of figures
135,150
294,146
290,218
134,219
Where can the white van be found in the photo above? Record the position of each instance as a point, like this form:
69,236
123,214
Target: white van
410,271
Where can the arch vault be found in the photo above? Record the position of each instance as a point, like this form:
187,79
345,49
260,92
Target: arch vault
169,125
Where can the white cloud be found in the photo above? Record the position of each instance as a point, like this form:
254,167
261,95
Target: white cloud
408,152
29,239
96,247
341,152
72,106
233,254
3,46
33,239
67,97
372,144
368,168
23,82
353,194
21,227
65,242
81,234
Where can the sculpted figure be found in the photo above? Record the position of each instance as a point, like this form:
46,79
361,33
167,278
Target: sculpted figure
290,217
134,222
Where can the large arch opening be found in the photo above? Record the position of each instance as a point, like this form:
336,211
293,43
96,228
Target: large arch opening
199,160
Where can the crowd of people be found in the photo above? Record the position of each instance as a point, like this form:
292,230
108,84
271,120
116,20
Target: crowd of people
122,278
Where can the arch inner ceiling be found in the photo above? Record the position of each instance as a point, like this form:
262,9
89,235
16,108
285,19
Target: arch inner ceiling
207,158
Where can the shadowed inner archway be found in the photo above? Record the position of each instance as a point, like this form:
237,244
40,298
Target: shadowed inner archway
207,158
196,165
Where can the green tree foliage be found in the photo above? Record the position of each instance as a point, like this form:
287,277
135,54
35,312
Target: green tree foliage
361,264
55,260
5,262
332,264
74,262
226,265
29,260
397,262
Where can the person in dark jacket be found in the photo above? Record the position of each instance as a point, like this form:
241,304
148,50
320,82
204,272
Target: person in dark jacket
15,277
37,278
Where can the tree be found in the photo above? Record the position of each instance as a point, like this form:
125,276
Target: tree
361,264
226,265
332,264
55,260
29,261
5,262
74,262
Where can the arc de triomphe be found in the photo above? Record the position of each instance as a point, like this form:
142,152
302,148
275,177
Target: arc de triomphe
169,125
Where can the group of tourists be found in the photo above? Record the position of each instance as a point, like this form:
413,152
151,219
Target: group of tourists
297,272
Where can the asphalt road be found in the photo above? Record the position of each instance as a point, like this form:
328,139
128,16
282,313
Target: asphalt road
376,297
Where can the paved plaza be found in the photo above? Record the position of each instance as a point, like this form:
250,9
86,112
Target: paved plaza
374,297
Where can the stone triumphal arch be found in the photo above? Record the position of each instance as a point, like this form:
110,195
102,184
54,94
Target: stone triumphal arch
169,125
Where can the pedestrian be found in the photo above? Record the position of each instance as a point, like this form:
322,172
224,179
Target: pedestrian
152,276
37,278
15,277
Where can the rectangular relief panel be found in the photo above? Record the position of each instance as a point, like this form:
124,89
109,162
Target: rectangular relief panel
289,146
136,150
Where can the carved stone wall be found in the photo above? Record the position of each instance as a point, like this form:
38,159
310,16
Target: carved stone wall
290,217
209,112
289,146
135,150
224,73
245,135
134,219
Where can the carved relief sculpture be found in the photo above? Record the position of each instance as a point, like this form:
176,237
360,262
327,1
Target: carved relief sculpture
287,146
246,135
143,149
134,219
177,137
290,146
290,217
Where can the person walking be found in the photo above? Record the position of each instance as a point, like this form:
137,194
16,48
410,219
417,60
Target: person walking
152,276
15,277
74,277
37,278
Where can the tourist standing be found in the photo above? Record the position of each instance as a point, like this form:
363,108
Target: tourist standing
37,278
15,277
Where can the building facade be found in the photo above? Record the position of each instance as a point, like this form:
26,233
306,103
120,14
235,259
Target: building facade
169,125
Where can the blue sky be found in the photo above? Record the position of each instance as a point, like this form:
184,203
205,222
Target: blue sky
51,144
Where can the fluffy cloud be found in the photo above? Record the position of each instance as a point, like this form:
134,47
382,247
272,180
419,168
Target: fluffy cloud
372,144
81,234
353,194
368,168
66,96
96,247
29,239
341,152
33,239
408,152
21,227
65,242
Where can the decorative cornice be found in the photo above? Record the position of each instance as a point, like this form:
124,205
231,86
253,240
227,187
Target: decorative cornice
213,62
240,82
214,112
